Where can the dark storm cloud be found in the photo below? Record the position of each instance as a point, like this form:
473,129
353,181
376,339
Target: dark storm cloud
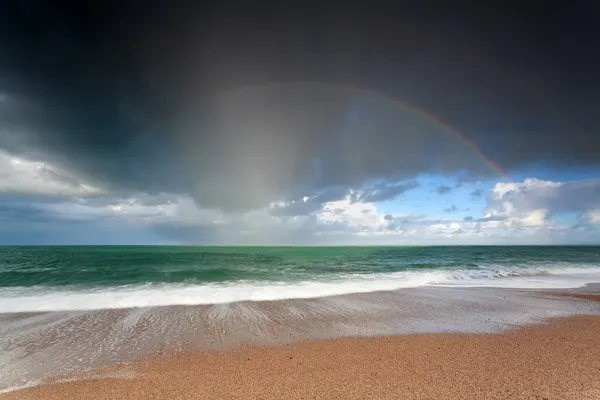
134,97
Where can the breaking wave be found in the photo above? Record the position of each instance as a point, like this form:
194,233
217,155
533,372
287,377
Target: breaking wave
41,299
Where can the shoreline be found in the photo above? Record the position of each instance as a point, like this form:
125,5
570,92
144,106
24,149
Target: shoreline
559,359
55,345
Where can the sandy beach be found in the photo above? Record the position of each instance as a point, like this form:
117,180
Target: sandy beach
476,343
557,360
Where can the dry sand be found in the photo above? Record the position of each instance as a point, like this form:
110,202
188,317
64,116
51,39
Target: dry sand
558,360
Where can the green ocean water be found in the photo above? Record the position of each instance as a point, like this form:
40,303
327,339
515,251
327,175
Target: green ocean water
140,275
120,265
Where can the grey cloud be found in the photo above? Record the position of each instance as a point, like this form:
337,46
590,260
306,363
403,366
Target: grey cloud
492,218
443,189
584,227
453,209
394,225
410,221
61,178
24,176
385,191
166,98
574,196
330,194
466,179
103,200
257,146
309,231
33,212
59,232
468,218
46,219
476,194
20,211
379,192
295,208
310,205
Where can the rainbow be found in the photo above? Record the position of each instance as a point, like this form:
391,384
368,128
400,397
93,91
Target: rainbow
400,103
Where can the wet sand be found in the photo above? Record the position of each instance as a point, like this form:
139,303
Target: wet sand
590,292
557,360
421,343
582,296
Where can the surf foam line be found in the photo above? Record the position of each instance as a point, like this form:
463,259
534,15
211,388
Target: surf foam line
38,299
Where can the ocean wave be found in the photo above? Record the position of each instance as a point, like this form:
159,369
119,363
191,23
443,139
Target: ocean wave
41,299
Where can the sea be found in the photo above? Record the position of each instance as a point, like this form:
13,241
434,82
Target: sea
66,312
51,278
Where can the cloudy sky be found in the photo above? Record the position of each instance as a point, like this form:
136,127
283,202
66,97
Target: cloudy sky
165,123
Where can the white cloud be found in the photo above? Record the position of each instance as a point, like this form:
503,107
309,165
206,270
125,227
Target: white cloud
178,209
352,214
516,212
445,229
534,202
24,176
594,216
144,209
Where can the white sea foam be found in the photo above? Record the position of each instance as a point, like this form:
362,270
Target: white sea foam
37,299
27,385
